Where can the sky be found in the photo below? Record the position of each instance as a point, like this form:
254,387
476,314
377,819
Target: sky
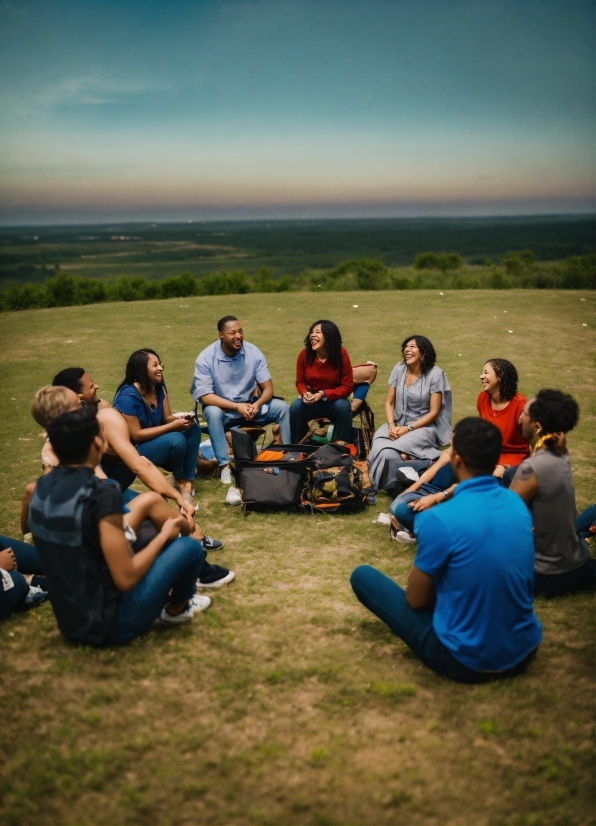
199,110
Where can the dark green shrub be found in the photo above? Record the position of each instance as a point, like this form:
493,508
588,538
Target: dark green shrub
579,272
498,281
24,297
400,283
128,288
427,261
449,261
89,291
179,286
60,290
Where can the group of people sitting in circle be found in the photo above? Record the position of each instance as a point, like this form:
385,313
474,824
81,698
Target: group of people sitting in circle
113,560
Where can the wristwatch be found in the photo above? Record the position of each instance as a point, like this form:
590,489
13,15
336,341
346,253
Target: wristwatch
410,427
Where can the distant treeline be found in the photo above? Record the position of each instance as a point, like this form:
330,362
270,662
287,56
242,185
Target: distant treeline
447,270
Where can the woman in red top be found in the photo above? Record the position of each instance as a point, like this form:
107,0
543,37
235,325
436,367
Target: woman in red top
324,381
500,403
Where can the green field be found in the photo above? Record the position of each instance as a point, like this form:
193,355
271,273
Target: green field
285,247
287,702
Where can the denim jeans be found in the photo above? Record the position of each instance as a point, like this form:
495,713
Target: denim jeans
217,420
556,585
28,561
15,597
584,522
338,411
177,568
176,451
387,600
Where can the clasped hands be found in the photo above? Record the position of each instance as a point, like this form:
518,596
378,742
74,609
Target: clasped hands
395,431
248,410
312,398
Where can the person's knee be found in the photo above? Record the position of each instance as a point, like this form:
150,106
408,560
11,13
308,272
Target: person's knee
360,576
214,414
190,550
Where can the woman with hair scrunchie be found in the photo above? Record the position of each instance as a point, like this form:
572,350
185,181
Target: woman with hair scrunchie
171,442
324,380
417,409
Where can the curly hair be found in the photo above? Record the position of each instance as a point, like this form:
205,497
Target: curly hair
428,356
69,377
555,411
136,370
332,343
508,378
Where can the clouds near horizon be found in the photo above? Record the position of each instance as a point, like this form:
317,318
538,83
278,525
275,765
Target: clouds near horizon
245,107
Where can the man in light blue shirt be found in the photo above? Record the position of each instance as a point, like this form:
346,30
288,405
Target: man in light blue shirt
467,609
226,374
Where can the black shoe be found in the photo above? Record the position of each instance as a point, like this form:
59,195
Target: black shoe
214,576
211,544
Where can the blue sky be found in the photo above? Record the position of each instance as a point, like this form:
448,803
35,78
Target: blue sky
197,110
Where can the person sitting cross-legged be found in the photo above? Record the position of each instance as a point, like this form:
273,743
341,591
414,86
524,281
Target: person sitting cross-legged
467,609
225,376
103,593
563,563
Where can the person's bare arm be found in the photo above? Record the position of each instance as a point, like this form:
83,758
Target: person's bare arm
170,423
420,590
213,400
128,569
430,473
118,436
390,412
525,483
27,494
8,561
428,418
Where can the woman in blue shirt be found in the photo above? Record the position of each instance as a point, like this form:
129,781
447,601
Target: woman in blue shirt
169,441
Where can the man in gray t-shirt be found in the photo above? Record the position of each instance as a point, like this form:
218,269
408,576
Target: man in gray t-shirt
562,561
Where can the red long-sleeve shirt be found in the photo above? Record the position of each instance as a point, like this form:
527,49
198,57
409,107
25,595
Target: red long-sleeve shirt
321,375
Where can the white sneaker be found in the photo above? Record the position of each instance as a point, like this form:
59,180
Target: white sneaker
402,536
233,496
196,604
226,475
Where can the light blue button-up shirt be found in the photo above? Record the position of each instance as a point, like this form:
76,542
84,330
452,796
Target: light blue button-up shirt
232,378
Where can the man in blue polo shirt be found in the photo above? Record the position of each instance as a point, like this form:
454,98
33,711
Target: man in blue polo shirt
226,374
467,608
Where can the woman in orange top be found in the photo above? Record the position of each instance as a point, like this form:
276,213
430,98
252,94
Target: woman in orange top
500,403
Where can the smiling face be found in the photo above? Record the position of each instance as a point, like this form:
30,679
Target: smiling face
88,391
232,337
317,339
529,428
489,379
154,369
412,355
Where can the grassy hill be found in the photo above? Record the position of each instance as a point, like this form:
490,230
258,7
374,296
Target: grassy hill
287,702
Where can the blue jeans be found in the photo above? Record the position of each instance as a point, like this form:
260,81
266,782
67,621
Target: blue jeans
338,411
15,597
584,522
387,600
176,451
219,420
556,585
177,568
28,561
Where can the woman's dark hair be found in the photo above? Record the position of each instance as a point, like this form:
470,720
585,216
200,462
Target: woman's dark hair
508,378
136,369
69,377
72,434
427,351
478,442
332,343
555,411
